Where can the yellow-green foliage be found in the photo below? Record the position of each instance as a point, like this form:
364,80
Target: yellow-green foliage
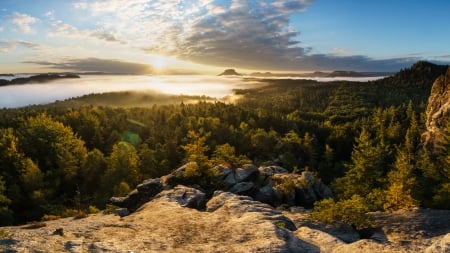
93,209
48,217
287,185
4,235
351,211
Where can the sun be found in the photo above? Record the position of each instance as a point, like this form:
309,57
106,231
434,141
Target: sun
159,62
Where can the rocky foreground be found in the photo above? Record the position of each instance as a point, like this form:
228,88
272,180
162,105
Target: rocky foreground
229,223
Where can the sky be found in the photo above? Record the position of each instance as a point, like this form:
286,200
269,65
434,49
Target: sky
207,36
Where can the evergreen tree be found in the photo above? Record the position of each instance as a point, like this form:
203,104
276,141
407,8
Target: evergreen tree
365,172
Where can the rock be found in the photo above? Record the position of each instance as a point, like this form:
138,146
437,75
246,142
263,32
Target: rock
440,246
184,196
324,241
271,170
238,206
265,172
266,194
121,212
176,177
230,180
229,72
248,172
438,110
244,188
150,187
142,194
223,170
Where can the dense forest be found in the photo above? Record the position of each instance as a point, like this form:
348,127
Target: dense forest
361,138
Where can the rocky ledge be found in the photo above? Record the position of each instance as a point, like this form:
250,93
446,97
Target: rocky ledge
229,223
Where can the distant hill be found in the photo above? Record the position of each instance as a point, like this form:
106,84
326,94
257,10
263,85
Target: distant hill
229,72
41,78
337,73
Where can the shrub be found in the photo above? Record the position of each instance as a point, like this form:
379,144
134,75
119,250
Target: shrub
350,211
4,235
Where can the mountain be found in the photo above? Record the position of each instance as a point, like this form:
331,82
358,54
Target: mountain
229,72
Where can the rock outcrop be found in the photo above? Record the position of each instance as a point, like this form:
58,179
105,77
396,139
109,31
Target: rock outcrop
438,110
229,72
229,223
272,185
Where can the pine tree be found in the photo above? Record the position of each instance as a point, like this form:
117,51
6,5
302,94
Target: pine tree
365,172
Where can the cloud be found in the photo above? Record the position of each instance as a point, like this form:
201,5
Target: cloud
229,33
97,65
1,29
61,29
23,21
6,46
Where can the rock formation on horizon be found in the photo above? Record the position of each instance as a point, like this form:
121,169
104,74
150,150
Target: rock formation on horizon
230,72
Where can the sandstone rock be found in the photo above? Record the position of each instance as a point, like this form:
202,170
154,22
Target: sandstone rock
246,173
244,188
440,246
266,195
438,110
230,180
175,178
142,194
322,240
238,206
185,196
271,170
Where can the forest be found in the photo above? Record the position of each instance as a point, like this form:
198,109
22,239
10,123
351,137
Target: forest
361,138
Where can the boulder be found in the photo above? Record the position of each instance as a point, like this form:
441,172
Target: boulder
139,196
184,196
175,178
266,195
248,172
244,188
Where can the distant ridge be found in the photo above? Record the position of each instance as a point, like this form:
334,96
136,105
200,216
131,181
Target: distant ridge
337,73
41,78
230,72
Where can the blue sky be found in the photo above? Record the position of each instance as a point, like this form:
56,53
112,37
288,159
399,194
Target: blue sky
205,36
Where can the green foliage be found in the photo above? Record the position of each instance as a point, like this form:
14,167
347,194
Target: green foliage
352,211
122,169
365,172
4,235
72,154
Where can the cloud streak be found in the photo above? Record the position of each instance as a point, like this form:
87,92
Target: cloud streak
96,65
23,22
6,46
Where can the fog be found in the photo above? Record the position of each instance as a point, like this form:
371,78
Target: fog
218,87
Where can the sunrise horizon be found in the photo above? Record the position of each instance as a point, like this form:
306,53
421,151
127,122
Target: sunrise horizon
208,36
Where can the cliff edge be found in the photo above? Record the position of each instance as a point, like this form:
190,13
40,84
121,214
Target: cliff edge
438,110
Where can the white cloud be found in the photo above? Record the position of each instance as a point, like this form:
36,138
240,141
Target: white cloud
1,29
23,21
232,32
61,29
